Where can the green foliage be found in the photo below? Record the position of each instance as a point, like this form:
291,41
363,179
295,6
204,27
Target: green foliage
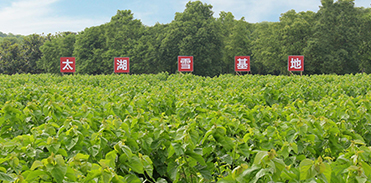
185,128
334,46
11,61
60,45
336,39
194,32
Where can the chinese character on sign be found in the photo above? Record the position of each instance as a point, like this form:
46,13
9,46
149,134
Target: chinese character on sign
185,63
296,63
67,64
121,64
242,63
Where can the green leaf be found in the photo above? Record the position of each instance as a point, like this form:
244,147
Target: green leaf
304,168
80,156
171,151
6,177
178,149
261,173
161,180
35,174
71,174
224,140
111,157
227,158
294,147
172,169
197,157
2,160
259,157
14,162
106,176
147,164
59,170
135,164
96,171
132,179
207,134
127,151
71,143
204,171
94,150
36,164
366,169
327,172
361,179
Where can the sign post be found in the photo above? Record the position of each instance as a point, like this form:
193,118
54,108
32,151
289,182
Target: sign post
296,63
241,64
185,63
121,64
67,64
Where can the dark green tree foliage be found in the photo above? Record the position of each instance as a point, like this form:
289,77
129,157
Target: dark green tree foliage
365,45
239,43
333,47
336,39
267,48
89,51
97,46
295,31
32,52
11,57
60,45
194,32
226,22
146,54
19,55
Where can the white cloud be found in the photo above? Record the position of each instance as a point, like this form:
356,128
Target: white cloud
36,16
42,16
265,10
262,10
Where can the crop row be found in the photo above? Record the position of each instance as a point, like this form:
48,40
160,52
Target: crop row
185,128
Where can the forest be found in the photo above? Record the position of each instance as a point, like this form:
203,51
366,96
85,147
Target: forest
334,40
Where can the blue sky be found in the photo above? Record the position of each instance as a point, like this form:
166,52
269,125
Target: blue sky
50,16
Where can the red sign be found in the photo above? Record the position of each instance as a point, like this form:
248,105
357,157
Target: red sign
121,64
68,64
185,63
242,63
296,63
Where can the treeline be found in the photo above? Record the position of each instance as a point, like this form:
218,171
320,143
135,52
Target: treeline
336,39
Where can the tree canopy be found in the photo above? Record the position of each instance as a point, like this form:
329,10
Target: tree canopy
336,39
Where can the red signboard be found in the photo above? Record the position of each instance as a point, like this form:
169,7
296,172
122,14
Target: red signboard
242,63
296,63
68,64
185,63
121,64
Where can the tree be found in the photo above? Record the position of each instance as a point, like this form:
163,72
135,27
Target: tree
60,45
295,32
194,32
89,49
267,48
146,54
336,39
97,46
31,46
238,44
11,57
227,23
365,45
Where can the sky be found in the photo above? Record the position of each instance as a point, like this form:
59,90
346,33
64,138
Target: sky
52,16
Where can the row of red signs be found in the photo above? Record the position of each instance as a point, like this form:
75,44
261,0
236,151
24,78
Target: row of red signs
185,64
